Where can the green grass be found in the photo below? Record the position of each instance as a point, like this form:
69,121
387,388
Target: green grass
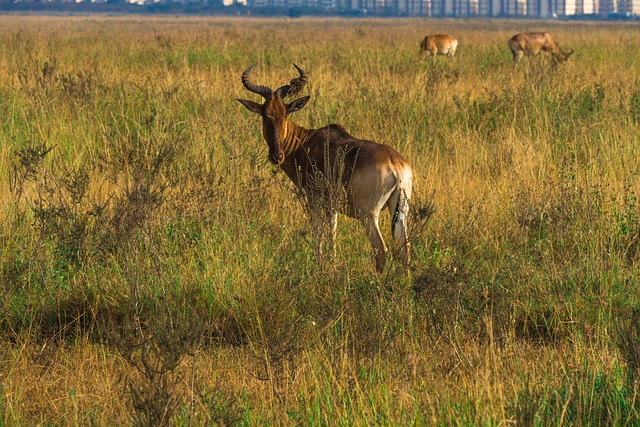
148,249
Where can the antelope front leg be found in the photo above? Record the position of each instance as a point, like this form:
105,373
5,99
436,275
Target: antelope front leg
517,56
329,225
333,231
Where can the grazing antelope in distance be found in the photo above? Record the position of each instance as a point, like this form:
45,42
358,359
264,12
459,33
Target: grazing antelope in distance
438,44
371,176
532,44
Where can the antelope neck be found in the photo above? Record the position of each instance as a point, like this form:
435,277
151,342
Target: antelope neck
292,137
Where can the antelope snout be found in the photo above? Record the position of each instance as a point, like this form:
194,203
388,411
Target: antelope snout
276,157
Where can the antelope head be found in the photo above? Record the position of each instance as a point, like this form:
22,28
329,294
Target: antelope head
562,56
275,112
568,53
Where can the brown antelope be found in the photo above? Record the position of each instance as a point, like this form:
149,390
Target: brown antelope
532,44
371,176
438,44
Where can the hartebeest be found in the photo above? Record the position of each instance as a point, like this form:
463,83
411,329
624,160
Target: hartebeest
532,44
371,176
438,44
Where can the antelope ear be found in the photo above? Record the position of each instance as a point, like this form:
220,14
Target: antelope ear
570,51
254,107
297,104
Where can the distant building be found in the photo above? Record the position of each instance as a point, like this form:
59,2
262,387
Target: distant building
578,9
467,8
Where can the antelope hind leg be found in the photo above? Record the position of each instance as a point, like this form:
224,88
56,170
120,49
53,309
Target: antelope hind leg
375,237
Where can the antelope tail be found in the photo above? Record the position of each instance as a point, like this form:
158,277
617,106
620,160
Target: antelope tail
399,220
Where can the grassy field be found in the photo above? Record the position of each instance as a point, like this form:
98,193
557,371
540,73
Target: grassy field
155,268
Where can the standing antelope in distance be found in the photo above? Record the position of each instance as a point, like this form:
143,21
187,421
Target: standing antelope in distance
532,44
371,176
438,44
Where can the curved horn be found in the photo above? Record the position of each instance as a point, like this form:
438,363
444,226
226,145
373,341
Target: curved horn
264,91
303,75
294,85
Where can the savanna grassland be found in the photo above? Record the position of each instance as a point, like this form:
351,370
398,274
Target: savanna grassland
155,268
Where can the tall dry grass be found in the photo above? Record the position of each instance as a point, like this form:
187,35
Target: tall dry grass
156,269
